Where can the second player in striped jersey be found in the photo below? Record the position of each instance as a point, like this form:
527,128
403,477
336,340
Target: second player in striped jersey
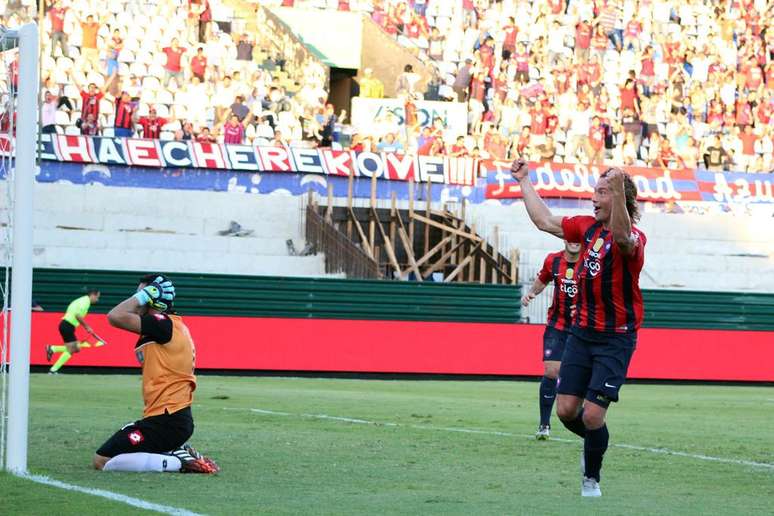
559,268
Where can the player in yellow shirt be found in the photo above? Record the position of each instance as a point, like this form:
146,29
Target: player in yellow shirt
157,442
73,317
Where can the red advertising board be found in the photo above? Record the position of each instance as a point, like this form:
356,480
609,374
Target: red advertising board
327,345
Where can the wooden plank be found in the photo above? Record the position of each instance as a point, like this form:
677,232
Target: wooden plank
427,215
472,264
371,223
434,250
329,208
464,263
387,244
349,204
496,245
409,252
444,227
441,262
411,211
360,232
514,266
393,211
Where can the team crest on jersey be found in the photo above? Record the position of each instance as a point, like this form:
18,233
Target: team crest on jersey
569,273
135,437
598,244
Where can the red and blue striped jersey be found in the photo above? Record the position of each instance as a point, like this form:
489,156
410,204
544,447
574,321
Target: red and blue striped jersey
609,299
563,274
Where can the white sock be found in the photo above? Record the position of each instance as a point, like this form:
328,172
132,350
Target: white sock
141,461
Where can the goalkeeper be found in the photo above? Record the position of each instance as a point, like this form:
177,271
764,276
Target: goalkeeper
74,317
157,442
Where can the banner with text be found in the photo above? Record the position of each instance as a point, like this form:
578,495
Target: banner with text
566,180
380,115
301,160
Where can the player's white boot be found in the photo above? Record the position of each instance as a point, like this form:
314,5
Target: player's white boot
543,433
590,488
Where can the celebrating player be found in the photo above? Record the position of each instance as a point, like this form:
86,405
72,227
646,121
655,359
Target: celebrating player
166,351
74,316
559,268
609,309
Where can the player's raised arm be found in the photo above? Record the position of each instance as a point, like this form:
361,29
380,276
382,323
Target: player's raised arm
126,315
538,212
620,222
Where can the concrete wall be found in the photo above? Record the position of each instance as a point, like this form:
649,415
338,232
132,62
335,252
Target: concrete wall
387,58
177,231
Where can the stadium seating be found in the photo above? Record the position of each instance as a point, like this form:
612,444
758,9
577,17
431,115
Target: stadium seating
146,28
691,42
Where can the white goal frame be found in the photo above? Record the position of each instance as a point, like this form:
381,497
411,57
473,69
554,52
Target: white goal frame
25,148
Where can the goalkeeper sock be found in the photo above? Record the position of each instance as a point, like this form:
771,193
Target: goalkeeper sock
62,360
84,344
141,461
576,426
59,349
547,395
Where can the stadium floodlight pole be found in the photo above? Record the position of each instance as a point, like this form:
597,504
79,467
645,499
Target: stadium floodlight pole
25,148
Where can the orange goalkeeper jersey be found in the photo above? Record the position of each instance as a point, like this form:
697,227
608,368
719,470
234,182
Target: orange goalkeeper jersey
167,354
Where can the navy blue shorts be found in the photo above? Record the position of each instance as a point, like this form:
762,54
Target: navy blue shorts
596,369
553,343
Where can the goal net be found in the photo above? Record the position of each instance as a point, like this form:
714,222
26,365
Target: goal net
18,144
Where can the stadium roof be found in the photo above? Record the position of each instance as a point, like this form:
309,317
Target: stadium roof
334,36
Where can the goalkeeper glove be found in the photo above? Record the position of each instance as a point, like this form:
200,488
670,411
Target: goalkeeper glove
159,294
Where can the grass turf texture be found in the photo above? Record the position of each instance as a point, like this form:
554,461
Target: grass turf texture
295,464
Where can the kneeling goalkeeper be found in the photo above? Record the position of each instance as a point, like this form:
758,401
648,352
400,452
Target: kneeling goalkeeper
157,442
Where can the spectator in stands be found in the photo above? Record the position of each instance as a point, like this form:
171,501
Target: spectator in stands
90,100
370,86
89,50
186,133
51,104
407,81
715,156
125,115
200,16
205,136
172,68
115,46
89,126
56,16
390,144
48,114
596,139
152,124
244,48
463,79
234,131
240,110
199,64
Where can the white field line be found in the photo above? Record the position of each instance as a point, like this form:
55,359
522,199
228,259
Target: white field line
128,500
661,451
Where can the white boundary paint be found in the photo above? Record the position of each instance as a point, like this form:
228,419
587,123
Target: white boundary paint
662,451
128,500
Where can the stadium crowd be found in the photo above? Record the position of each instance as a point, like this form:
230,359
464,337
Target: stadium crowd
635,82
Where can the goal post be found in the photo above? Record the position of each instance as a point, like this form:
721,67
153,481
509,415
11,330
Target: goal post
24,148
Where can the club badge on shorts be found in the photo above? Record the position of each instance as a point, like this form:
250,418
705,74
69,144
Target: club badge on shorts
135,437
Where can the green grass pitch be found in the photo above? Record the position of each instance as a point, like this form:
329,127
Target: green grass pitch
325,446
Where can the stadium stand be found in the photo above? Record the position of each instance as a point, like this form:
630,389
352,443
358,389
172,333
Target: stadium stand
684,71
672,84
